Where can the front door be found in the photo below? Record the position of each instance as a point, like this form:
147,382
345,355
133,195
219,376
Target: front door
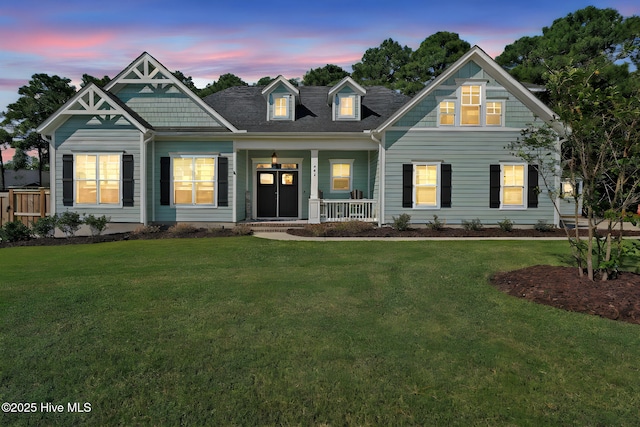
277,194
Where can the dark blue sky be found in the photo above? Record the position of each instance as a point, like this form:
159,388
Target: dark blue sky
251,39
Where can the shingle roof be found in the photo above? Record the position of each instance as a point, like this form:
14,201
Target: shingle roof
246,108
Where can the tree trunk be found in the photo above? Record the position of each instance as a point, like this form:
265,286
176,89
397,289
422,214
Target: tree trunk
1,172
590,244
607,256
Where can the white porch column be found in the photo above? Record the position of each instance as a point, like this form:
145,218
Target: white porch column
382,159
314,202
314,174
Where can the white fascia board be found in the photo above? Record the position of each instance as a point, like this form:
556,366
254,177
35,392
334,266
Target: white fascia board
59,117
280,80
347,81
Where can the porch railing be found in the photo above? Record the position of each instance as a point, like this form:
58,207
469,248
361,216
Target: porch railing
348,210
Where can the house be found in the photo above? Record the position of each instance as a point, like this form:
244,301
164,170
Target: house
145,149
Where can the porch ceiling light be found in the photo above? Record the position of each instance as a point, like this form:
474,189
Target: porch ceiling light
274,159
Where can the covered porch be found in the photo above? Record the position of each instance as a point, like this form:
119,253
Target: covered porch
333,184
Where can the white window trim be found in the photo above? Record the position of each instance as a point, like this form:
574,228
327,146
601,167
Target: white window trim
486,113
215,183
336,106
457,100
481,105
438,186
455,112
287,98
346,161
75,181
525,187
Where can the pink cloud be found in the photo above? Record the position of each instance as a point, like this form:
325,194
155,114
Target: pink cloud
54,44
7,154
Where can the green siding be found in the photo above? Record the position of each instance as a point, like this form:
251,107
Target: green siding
470,154
425,113
241,193
191,214
360,178
165,106
95,134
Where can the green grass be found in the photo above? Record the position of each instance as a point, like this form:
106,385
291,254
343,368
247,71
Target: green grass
244,331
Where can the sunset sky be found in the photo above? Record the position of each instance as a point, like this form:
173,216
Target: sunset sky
251,39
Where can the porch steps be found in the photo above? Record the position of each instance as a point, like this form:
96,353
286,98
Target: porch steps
273,227
570,222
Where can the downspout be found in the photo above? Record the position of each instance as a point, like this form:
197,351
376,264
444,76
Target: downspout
52,174
381,168
234,180
144,191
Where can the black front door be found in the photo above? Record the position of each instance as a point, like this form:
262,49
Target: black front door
277,194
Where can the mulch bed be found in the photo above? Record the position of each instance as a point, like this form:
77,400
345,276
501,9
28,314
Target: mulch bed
444,232
562,287
116,237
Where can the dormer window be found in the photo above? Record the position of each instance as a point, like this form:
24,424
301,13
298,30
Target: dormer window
281,107
345,99
347,109
281,98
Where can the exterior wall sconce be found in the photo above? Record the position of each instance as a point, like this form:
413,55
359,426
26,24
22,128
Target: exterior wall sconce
274,160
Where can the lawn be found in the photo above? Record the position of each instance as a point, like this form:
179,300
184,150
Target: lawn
244,331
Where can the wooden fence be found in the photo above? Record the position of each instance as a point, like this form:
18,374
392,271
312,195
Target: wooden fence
26,205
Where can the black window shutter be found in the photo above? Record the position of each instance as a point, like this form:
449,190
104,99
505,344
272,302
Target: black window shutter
532,190
223,181
165,180
494,186
407,185
445,190
127,180
67,179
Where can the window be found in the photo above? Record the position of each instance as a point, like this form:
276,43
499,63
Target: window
494,114
470,105
281,107
447,113
97,179
426,185
425,179
194,180
341,175
513,185
571,188
346,106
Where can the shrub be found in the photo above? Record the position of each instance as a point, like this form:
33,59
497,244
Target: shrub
146,229
353,227
14,231
401,223
182,229
436,224
473,225
506,225
316,230
69,222
97,224
242,230
45,227
542,226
